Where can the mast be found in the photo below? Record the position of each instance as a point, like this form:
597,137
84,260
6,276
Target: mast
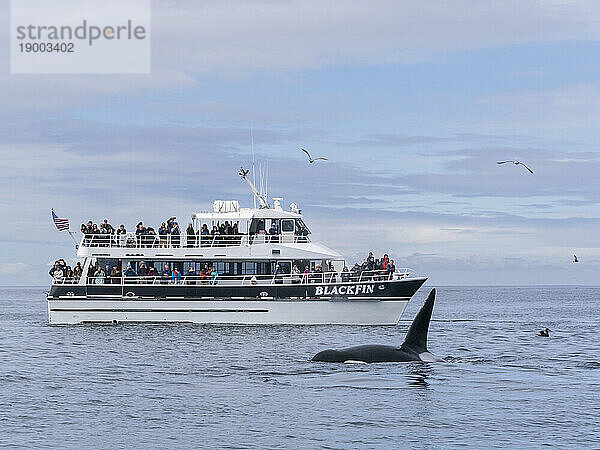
253,174
257,195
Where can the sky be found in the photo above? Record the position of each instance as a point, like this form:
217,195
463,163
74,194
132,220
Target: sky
412,102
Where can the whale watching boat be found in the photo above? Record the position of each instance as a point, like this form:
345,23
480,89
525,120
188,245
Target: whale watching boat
268,271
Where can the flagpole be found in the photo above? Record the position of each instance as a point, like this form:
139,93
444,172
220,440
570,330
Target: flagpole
68,230
73,237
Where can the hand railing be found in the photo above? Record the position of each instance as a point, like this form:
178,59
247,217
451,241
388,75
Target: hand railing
65,280
184,240
250,279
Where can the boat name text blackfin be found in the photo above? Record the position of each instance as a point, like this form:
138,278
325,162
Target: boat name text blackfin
345,290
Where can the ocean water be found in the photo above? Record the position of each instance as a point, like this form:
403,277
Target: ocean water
197,386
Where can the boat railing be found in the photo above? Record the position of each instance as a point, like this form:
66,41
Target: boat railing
132,240
339,277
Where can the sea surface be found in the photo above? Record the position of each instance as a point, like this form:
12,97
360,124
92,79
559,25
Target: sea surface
198,386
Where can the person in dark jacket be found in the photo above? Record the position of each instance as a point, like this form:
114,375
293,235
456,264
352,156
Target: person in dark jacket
345,275
163,233
140,231
108,227
142,270
129,273
278,275
355,272
166,274
370,262
391,268
115,275
191,236
54,268
77,271
175,235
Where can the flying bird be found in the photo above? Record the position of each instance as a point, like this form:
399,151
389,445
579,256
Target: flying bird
516,163
575,260
311,159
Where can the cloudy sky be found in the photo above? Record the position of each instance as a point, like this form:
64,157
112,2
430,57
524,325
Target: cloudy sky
413,103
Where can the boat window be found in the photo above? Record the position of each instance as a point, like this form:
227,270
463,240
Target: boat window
102,262
248,268
225,268
287,225
285,266
257,226
301,228
275,228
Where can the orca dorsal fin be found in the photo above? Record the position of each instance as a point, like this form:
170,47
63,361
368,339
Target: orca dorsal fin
416,338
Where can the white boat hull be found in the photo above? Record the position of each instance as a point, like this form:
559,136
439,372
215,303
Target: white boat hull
256,312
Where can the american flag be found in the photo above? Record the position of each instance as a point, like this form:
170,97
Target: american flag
61,224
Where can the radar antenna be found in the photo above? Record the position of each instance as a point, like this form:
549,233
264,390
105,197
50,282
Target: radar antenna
244,174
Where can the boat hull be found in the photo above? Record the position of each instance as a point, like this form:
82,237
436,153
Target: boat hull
259,312
365,303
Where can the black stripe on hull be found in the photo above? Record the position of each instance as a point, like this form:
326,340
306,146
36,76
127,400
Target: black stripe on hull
184,310
340,291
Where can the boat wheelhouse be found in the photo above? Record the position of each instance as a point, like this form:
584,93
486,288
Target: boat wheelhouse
265,269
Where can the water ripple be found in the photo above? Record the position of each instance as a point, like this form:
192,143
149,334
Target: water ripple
166,385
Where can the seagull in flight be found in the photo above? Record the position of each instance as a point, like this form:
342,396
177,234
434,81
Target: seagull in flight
311,159
516,163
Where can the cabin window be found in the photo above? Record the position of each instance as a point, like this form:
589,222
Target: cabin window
287,225
102,262
301,228
248,268
257,226
225,268
285,266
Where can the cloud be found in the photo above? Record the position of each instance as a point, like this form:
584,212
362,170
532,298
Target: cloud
309,34
13,268
569,106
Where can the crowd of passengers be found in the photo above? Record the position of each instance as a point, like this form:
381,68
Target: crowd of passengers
61,272
168,234
148,273
370,269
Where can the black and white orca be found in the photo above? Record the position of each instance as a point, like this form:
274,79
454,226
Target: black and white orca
414,347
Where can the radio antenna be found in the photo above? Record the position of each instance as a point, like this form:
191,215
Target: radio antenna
253,172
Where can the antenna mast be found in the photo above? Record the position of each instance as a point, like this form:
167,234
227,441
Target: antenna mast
253,172
257,195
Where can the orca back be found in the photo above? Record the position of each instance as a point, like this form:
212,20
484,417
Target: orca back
416,338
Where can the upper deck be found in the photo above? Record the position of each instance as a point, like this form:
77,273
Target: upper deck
230,232
257,246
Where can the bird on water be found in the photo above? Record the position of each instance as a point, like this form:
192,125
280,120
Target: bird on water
575,260
544,333
516,163
311,159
